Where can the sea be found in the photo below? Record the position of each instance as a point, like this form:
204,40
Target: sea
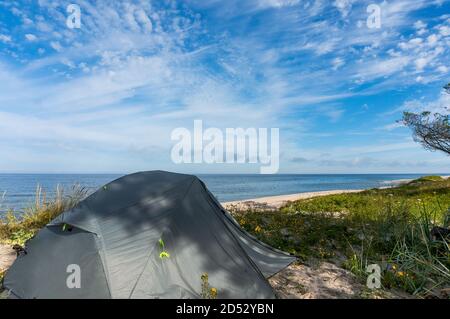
17,191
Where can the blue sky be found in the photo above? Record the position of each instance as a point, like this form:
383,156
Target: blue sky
105,97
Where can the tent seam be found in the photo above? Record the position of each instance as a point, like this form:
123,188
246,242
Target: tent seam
102,253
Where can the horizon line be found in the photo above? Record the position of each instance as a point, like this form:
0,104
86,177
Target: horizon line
199,173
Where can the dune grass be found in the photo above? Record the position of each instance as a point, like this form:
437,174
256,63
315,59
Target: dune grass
390,227
18,228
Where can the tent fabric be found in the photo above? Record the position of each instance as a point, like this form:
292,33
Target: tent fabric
115,239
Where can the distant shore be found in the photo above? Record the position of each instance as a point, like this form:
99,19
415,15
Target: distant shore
275,202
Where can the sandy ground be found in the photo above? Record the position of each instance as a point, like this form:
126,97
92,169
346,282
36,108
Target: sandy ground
275,202
322,281
7,256
325,280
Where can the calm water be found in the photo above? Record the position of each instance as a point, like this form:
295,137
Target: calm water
18,190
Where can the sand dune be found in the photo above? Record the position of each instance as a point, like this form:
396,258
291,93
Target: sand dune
278,201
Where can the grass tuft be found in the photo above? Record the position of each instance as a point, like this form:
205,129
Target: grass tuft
18,228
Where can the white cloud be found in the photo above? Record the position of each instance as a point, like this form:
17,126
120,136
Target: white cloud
440,105
5,38
144,20
392,126
421,79
444,30
344,6
337,63
432,39
333,114
421,32
43,27
420,25
421,63
56,46
277,3
382,68
30,37
442,69
27,21
411,44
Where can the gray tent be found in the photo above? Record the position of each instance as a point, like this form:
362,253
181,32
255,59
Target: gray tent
114,237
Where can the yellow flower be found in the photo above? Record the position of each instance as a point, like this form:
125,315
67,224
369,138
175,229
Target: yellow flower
242,222
213,292
257,229
164,254
400,273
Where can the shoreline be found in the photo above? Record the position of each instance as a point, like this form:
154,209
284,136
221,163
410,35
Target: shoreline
275,202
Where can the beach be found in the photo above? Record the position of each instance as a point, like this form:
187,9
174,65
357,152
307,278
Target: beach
275,202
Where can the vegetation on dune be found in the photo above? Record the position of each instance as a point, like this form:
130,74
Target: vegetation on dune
430,178
390,227
17,229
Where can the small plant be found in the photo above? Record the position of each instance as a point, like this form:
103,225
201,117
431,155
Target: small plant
20,237
17,228
213,293
207,291
163,254
447,219
2,275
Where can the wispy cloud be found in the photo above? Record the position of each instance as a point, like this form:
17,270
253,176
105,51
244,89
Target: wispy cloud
137,69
